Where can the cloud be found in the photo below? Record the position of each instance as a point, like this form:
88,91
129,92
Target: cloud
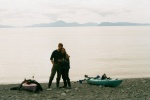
40,11
52,16
111,13
2,10
104,14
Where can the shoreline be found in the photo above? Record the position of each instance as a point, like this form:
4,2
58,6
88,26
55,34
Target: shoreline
44,82
130,88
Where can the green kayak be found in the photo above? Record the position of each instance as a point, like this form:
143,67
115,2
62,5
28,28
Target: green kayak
105,82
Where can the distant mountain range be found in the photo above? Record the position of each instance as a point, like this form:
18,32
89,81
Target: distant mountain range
62,24
4,26
74,24
123,24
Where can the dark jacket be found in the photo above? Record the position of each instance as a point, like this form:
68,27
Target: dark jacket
55,56
65,63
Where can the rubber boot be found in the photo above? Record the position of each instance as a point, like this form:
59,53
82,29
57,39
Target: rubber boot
65,84
69,83
57,83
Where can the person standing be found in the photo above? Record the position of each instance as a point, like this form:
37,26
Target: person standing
65,66
55,58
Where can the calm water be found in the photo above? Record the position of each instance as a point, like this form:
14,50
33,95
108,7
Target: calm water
120,52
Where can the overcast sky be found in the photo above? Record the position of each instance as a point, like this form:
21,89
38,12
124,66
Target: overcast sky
28,12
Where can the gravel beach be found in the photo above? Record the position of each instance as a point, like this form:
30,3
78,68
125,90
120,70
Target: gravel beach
129,89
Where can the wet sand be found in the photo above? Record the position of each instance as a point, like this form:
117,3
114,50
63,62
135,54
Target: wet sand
129,89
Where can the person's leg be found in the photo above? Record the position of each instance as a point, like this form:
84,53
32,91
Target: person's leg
64,78
58,75
67,77
53,71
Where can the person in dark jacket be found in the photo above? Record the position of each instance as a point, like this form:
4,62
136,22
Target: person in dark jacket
65,66
55,58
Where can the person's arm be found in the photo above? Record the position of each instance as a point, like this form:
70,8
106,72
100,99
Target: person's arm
52,61
51,58
67,56
67,61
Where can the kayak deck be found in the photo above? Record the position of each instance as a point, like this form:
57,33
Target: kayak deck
105,82
29,87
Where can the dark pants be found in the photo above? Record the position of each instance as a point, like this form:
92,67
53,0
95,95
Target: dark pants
65,77
55,68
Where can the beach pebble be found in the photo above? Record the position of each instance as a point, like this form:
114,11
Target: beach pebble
144,81
67,91
62,99
92,91
122,91
35,95
54,96
76,89
63,94
58,92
